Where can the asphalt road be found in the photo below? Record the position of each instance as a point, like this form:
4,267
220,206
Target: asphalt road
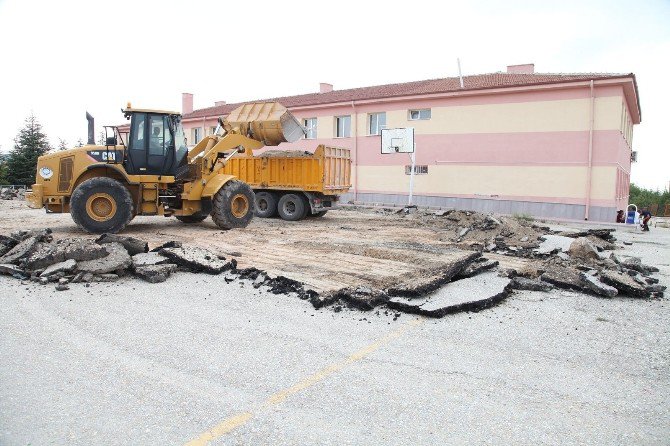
197,360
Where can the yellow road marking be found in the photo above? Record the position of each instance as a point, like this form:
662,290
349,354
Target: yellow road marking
228,425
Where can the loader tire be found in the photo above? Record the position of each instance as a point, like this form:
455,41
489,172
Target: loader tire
194,218
101,205
265,205
233,205
291,207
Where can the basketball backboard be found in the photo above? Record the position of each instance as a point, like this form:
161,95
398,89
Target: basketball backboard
398,140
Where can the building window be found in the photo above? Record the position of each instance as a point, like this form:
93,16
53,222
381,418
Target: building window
419,115
197,135
212,130
343,126
376,122
310,125
418,170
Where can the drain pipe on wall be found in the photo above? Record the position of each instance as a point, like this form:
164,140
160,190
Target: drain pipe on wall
590,164
355,119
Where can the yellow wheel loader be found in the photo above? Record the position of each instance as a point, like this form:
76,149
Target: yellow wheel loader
154,173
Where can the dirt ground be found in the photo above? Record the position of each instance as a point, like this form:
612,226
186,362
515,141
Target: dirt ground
344,248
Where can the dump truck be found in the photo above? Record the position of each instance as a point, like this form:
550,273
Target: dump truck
104,187
292,183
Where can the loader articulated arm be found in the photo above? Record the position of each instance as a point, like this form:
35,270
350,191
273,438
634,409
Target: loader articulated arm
248,127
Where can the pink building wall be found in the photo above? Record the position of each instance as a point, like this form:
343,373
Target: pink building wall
514,147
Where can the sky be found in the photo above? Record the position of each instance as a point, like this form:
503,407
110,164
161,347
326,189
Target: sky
62,58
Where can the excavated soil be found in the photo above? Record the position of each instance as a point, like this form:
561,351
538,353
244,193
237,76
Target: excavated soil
345,248
357,256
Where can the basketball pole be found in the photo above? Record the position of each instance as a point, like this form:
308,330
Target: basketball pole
411,175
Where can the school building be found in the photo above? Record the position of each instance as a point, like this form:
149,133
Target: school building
549,145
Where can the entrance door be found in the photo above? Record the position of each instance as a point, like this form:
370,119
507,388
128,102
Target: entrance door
137,145
159,142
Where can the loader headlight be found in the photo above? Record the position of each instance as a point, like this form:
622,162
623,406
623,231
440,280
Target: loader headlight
46,173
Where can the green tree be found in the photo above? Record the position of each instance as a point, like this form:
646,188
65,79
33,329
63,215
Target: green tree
647,197
62,144
3,171
80,143
29,144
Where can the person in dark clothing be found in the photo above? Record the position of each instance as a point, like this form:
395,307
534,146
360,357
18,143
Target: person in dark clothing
620,216
645,216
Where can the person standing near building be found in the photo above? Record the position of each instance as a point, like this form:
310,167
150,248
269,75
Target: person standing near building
645,215
620,216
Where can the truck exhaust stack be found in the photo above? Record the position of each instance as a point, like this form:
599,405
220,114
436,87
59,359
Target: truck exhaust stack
91,129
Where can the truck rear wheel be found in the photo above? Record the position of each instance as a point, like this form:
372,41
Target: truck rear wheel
101,205
291,207
265,205
233,204
194,218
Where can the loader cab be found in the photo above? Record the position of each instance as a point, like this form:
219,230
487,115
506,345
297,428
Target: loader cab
156,144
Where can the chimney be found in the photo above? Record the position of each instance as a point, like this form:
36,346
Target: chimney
219,103
186,103
528,68
325,88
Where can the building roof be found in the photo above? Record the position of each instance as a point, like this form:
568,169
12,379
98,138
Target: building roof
425,87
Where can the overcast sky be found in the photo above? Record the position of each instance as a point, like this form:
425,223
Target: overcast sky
61,58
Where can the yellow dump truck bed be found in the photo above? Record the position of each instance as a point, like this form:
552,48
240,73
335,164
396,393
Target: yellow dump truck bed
326,171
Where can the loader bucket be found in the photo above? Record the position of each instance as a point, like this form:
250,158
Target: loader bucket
269,122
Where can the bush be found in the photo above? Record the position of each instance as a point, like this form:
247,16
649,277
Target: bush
524,217
648,198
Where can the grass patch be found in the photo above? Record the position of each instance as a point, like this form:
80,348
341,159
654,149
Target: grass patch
524,217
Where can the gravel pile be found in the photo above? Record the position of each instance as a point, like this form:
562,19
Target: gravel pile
7,193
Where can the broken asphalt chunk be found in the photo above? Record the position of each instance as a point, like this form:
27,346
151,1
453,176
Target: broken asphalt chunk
6,244
155,273
635,263
566,278
170,244
598,287
133,245
148,259
196,259
66,249
116,259
624,283
605,234
471,294
66,266
362,298
11,270
522,283
432,280
582,248
21,251
44,235
477,267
